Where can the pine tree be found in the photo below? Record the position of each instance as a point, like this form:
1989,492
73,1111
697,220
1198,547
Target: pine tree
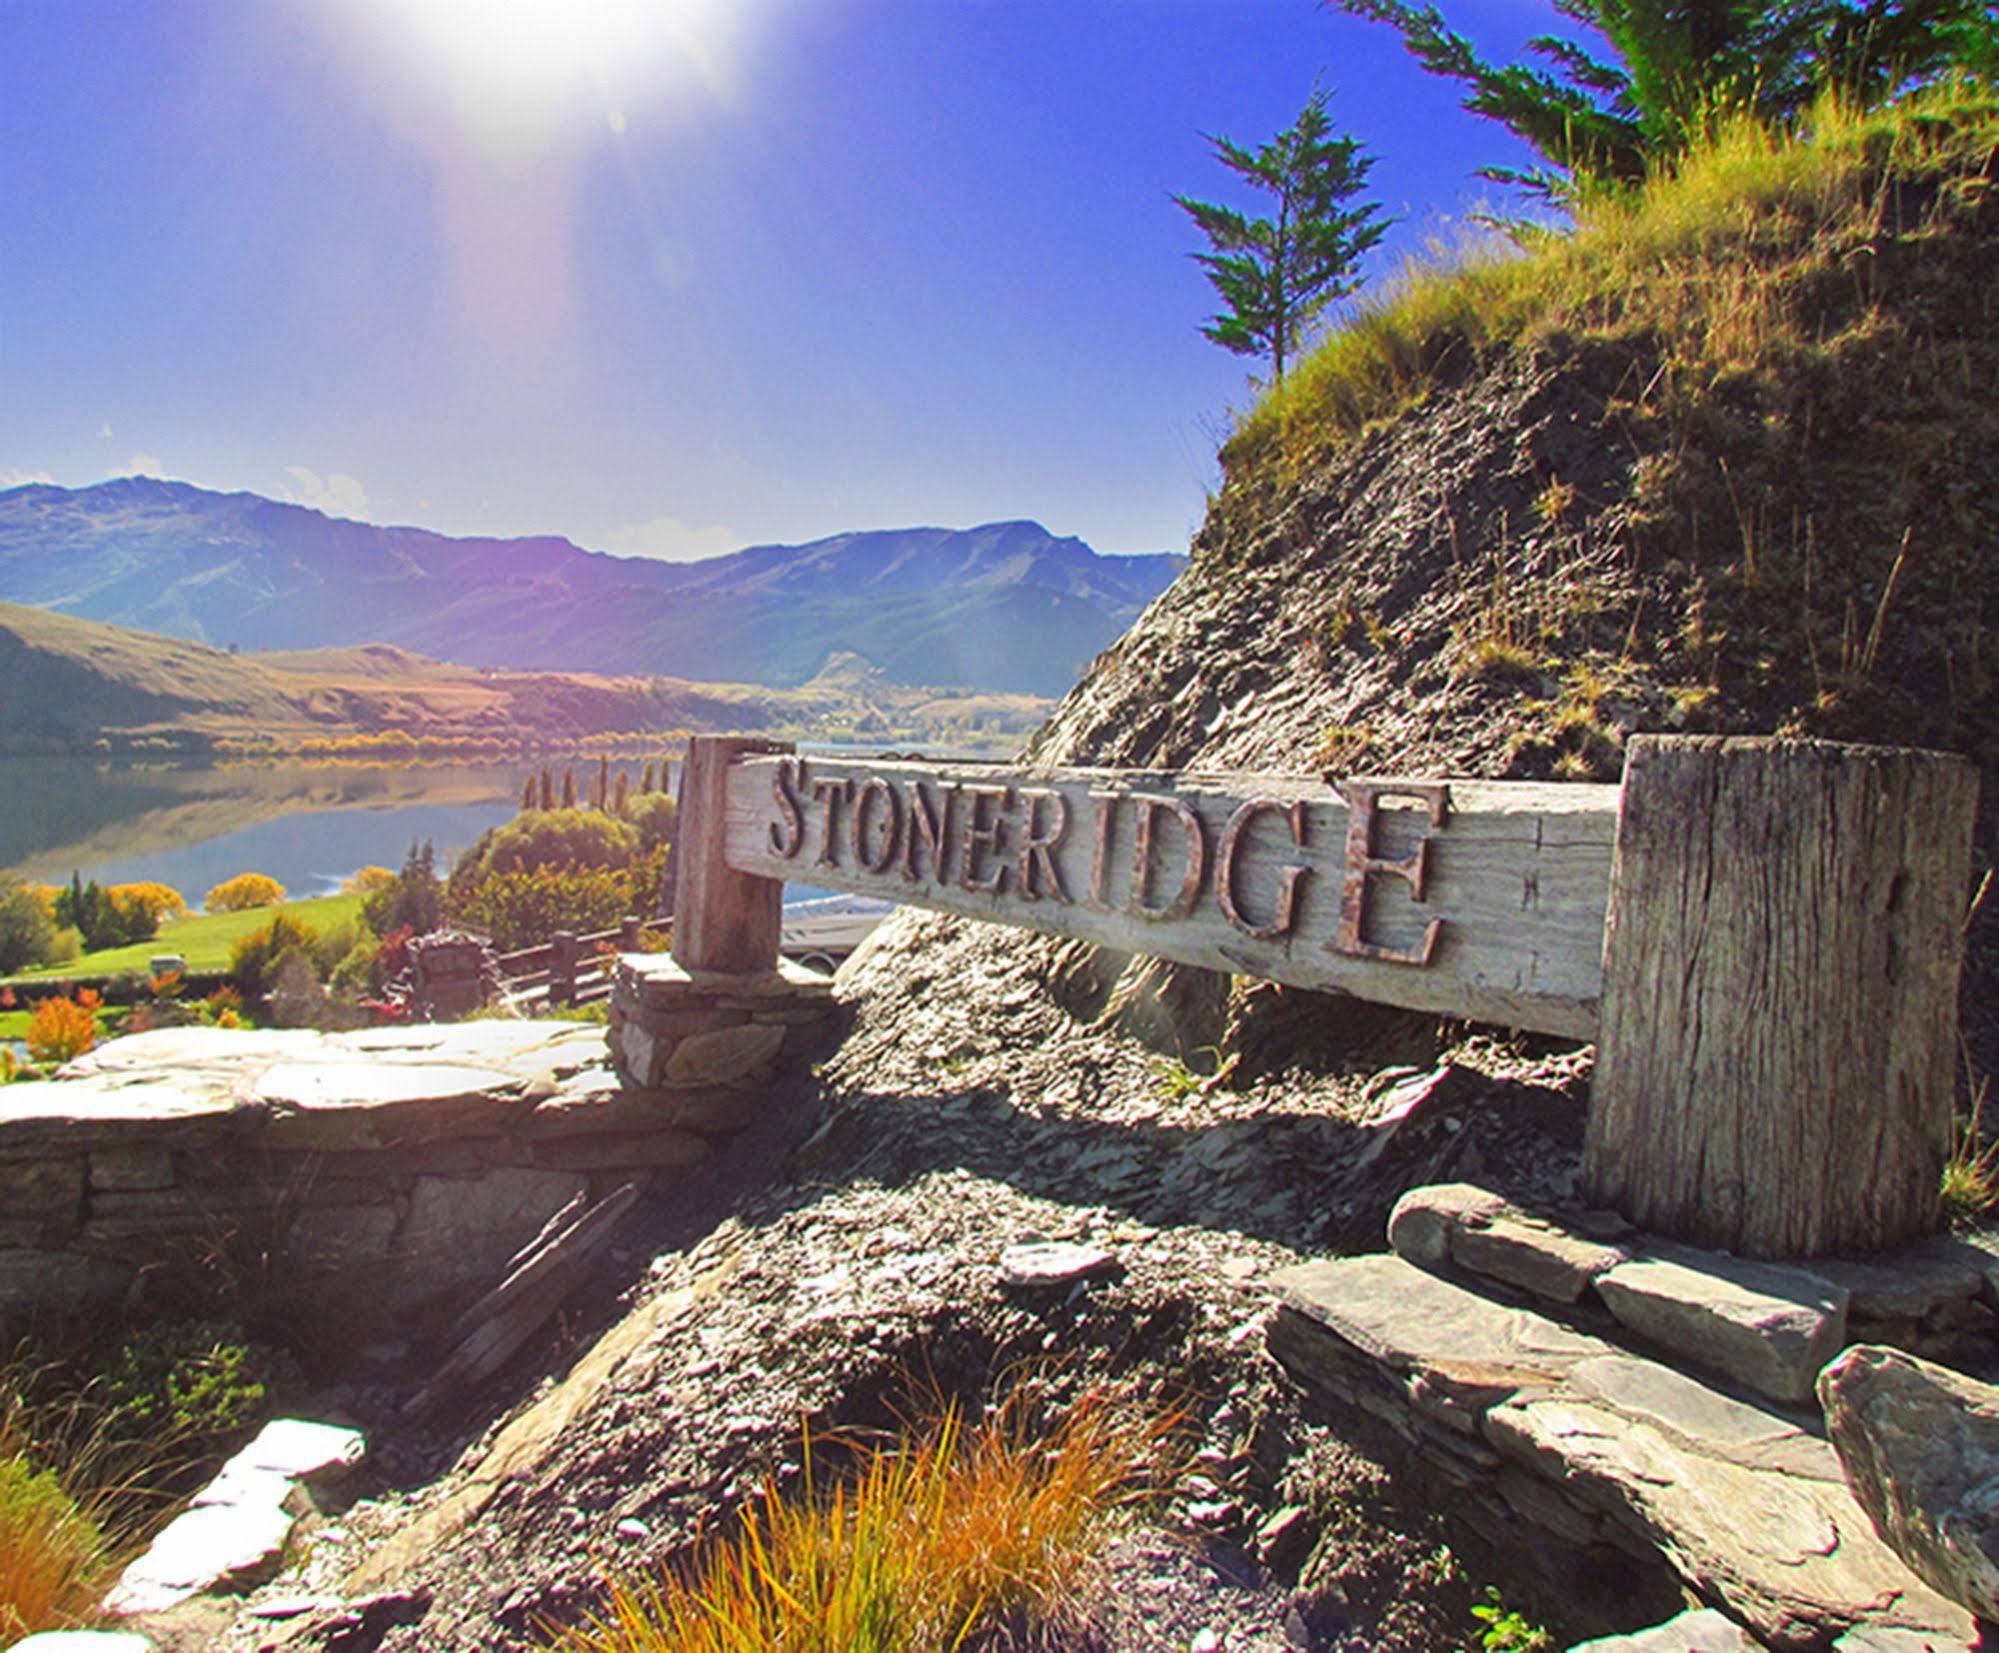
1276,274
1677,65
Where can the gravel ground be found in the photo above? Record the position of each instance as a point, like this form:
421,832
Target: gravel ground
875,1272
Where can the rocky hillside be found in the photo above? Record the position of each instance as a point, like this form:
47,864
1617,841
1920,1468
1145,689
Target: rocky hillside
1722,462
1007,606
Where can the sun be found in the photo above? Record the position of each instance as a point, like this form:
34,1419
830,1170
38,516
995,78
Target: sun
522,71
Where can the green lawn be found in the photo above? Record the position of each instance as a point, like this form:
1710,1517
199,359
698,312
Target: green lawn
204,940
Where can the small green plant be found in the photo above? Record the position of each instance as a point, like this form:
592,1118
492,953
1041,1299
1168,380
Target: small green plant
1970,1185
1507,1629
192,1379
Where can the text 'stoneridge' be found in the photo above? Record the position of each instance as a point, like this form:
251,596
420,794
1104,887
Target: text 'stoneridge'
1151,855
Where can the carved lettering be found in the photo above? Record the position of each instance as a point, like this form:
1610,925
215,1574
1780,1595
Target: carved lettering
929,822
1362,798
829,795
984,835
1149,808
1294,875
787,835
876,791
1038,844
1100,849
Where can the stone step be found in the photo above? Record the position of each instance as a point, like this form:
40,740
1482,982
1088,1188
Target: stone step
1597,1445
1698,1630
1769,1327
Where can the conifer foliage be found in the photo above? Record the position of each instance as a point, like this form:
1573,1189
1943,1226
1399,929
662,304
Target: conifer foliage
1677,66
1275,275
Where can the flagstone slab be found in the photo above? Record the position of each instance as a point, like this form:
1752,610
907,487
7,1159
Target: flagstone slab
1743,1501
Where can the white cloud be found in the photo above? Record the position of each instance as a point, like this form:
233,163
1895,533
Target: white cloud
337,493
671,540
145,464
20,479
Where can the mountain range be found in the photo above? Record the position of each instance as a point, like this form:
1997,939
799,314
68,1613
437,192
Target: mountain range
1004,607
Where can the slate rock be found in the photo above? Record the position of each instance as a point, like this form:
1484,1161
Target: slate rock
726,1056
1920,1447
1699,1630
210,1547
1769,1326
1479,1230
1052,1263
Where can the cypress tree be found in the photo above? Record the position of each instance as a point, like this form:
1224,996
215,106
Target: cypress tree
619,793
547,788
645,780
527,795
603,780
569,787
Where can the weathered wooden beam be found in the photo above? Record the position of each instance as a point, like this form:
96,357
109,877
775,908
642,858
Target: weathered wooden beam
727,920
1468,898
1775,1066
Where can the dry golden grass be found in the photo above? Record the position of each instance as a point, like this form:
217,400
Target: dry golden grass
54,1559
950,1530
1667,258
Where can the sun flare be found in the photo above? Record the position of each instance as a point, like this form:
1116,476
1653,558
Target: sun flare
522,71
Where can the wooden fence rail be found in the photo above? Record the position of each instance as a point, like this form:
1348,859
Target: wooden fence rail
568,968
1763,936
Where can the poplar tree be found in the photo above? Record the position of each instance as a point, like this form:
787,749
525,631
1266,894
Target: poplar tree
1275,275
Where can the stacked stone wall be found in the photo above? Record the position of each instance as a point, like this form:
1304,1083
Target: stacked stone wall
396,1166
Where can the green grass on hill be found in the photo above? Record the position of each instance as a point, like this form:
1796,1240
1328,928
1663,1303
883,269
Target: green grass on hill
1716,258
204,940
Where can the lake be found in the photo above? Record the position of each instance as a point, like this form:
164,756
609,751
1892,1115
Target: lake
306,825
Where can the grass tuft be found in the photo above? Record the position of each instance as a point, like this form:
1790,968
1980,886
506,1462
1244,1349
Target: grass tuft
55,1561
953,1529
1970,1186
1665,259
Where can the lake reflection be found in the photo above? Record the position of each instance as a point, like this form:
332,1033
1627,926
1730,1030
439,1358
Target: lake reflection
305,825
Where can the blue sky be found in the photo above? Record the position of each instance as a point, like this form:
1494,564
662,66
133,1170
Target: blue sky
666,276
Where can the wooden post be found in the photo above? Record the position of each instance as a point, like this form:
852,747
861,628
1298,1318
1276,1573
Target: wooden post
1777,1047
628,934
562,967
725,921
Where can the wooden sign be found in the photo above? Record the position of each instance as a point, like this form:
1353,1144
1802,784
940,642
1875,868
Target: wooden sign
1471,898
1762,935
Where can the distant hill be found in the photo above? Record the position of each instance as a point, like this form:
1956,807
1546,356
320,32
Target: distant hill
69,685
1007,606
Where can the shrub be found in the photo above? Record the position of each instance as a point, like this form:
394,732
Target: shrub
560,838
413,899
188,1379
355,974
936,1539
159,901
651,815
54,1560
60,1029
243,892
367,880
253,960
523,909
67,947
103,918
27,930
